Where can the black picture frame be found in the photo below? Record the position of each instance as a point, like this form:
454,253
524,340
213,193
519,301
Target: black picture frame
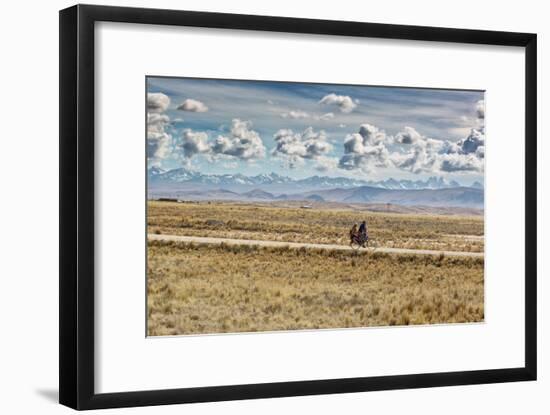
76,279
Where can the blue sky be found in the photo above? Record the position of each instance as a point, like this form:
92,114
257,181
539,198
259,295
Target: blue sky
300,129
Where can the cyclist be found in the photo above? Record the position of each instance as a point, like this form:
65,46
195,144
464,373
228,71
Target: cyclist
363,232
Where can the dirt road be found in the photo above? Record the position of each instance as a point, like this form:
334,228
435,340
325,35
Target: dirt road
210,240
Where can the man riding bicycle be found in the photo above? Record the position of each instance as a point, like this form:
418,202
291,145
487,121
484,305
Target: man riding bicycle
363,233
360,236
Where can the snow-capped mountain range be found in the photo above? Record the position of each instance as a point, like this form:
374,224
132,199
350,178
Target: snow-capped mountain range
159,177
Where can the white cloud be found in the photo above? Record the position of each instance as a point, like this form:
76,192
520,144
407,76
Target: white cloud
470,144
192,105
156,122
325,164
480,152
365,150
295,148
325,117
242,142
467,155
299,114
157,102
343,102
408,136
480,109
194,142
371,148
372,135
296,115
158,140
460,163
434,156
366,161
422,156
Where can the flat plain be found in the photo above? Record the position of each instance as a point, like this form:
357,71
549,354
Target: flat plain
325,225
196,288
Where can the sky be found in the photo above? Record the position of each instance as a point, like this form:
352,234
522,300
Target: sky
302,129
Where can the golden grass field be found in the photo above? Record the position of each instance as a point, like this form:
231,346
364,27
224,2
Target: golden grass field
196,289
327,225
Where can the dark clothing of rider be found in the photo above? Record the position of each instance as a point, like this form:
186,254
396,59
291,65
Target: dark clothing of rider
363,236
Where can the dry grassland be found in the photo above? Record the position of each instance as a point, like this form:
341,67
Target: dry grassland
249,221
196,289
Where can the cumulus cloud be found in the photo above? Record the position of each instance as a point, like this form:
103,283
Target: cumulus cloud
343,102
242,142
422,155
478,120
473,142
454,162
480,152
192,105
156,122
365,150
158,139
372,135
480,109
194,142
467,155
414,152
408,136
367,160
157,102
295,148
411,151
430,155
325,164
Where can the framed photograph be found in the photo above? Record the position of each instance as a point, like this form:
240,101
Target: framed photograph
258,207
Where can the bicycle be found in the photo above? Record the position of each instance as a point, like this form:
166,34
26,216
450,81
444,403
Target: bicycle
359,241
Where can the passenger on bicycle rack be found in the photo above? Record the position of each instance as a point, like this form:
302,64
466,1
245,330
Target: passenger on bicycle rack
353,232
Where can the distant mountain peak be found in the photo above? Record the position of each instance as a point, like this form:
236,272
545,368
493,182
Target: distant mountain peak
266,180
154,170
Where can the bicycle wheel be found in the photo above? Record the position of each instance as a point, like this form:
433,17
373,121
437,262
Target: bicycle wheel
355,245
